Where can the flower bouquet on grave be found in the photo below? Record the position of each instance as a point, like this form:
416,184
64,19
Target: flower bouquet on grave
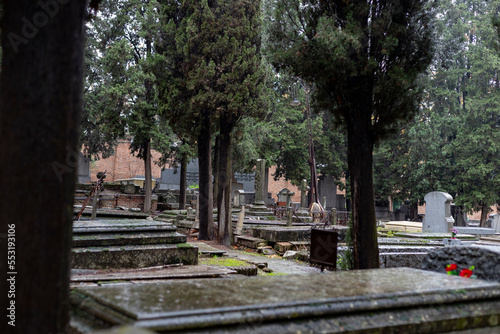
452,269
454,232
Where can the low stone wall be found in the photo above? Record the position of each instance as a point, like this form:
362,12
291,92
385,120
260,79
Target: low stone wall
119,200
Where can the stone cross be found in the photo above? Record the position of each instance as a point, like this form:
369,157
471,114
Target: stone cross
304,188
437,217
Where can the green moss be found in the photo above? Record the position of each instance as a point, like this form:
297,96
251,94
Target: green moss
184,245
222,262
273,274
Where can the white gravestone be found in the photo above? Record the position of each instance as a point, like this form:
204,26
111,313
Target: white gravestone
438,217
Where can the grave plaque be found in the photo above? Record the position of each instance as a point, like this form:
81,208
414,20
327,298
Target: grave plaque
324,248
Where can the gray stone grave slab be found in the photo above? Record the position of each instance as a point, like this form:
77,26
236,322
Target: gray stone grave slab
474,230
177,272
138,238
399,300
250,242
123,225
207,250
437,217
279,234
133,256
111,213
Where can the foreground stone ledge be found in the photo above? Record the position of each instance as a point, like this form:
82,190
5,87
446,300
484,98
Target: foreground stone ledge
396,300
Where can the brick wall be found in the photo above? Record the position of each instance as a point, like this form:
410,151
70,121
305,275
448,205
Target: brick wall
275,186
124,165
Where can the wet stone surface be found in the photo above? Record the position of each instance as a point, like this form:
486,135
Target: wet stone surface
148,301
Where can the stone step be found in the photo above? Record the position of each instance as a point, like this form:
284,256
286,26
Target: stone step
120,239
121,226
396,300
207,250
133,256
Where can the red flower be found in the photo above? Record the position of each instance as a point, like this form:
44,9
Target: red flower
451,267
466,273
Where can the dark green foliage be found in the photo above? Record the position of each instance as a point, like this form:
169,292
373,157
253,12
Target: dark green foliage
212,78
453,144
364,59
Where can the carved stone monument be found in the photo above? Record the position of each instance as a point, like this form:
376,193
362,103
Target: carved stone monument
259,207
438,217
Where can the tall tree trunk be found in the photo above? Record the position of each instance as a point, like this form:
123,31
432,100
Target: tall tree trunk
215,170
148,186
183,183
224,192
205,172
360,158
485,211
40,102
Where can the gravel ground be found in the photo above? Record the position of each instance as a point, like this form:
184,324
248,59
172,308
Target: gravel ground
275,263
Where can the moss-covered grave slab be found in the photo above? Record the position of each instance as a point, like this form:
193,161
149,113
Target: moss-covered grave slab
133,256
397,300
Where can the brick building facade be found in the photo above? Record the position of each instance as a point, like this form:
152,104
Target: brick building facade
124,165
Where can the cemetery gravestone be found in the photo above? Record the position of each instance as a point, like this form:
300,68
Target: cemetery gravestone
304,188
438,217
83,169
260,182
302,214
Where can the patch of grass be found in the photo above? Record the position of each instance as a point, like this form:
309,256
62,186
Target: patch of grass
222,262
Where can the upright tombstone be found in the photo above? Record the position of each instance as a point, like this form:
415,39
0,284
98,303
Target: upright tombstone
304,188
302,214
260,183
438,217
259,207
83,168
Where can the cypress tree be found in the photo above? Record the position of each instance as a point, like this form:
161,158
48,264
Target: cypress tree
364,58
